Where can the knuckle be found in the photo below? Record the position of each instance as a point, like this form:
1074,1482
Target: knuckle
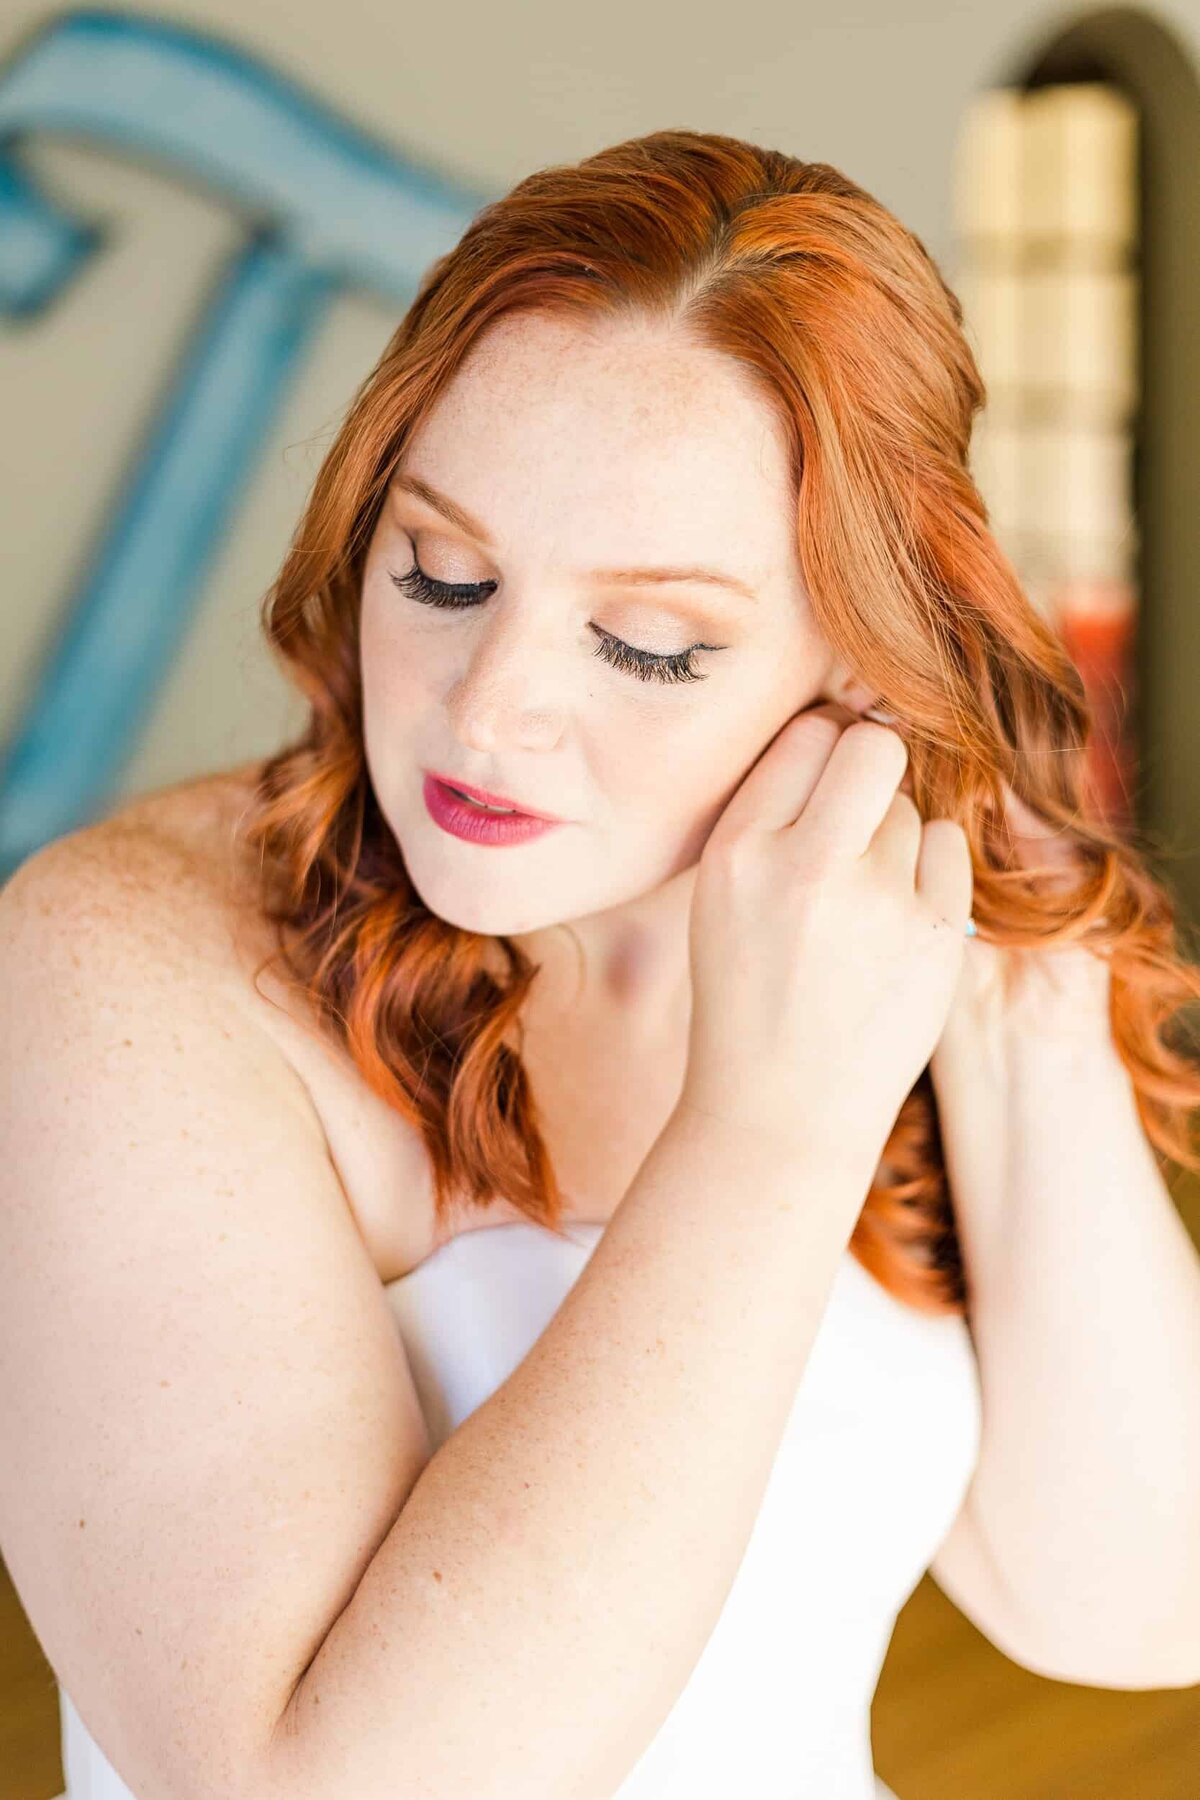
818,855
737,854
819,724
891,741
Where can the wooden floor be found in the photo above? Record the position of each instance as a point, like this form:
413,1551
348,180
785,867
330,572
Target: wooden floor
953,1718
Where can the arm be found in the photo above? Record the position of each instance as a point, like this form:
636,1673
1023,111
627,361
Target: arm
217,1501
615,1476
1085,1310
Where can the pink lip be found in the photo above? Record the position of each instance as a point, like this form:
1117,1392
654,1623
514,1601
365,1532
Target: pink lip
528,812
462,820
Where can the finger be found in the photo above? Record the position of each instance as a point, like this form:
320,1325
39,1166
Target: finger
945,873
887,718
897,843
864,771
781,782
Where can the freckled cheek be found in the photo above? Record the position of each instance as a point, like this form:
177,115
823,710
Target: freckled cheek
399,665
380,643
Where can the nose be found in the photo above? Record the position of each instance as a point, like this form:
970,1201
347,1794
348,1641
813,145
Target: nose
502,696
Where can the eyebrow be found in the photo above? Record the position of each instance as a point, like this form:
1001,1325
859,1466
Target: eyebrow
639,577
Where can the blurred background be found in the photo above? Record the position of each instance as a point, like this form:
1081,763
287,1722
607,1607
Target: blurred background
212,217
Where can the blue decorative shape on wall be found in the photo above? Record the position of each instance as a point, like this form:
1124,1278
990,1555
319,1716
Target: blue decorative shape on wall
328,207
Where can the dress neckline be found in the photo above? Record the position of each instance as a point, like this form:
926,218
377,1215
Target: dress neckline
597,1225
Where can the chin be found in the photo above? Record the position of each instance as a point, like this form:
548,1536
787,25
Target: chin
480,911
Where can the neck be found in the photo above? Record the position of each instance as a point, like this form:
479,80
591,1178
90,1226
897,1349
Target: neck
627,967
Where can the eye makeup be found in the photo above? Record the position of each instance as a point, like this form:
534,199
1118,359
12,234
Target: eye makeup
643,664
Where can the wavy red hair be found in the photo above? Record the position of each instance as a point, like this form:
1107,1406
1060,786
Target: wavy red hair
858,345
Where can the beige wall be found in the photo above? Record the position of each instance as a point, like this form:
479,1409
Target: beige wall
486,92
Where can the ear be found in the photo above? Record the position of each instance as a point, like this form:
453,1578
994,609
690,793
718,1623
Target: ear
845,688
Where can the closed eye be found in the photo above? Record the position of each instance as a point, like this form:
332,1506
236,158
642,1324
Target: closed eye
644,664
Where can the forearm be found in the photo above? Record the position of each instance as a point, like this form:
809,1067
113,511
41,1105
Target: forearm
552,1578
1085,1310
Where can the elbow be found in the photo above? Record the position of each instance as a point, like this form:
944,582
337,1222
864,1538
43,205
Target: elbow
1133,1660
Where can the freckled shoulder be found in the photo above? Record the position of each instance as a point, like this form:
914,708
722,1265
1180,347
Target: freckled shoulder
168,862
173,864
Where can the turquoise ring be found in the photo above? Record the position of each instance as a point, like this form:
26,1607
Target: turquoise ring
971,931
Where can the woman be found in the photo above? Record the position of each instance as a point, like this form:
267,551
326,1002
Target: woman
527,1339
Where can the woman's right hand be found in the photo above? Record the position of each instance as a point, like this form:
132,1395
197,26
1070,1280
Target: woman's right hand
826,938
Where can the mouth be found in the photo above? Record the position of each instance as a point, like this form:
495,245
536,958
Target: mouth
494,803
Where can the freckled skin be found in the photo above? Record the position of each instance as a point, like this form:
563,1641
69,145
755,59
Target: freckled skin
581,446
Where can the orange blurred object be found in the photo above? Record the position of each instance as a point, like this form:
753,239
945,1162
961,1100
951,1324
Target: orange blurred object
1097,619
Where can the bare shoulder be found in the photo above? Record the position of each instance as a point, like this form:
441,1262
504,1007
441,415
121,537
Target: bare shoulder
163,892
138,915
160,871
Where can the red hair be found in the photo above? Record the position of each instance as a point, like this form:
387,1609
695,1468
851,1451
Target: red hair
857,343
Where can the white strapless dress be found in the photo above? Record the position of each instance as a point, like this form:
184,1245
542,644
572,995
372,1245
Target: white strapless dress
874,1462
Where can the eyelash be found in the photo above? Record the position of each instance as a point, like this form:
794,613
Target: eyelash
641,663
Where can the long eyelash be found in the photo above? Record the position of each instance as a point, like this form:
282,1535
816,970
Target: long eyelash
647,667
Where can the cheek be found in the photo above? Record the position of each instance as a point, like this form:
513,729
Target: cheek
395,663
376,635
724,752
668,769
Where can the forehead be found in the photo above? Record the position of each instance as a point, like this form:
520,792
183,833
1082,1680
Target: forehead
594,437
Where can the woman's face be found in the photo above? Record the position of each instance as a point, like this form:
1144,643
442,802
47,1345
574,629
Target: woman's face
560,455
